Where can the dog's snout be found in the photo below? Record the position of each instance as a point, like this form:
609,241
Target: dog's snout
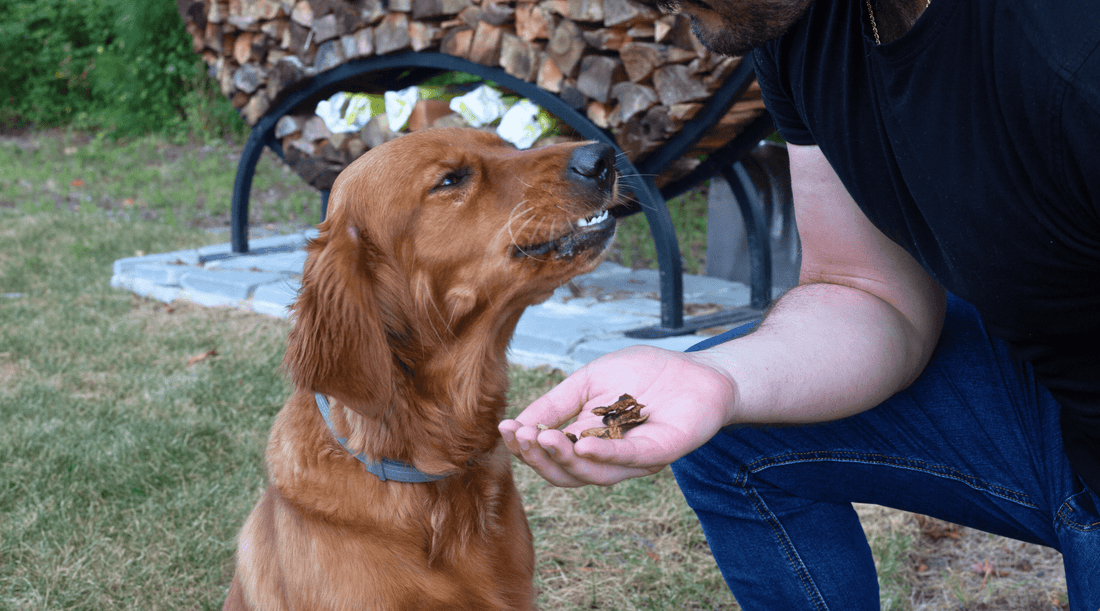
594,166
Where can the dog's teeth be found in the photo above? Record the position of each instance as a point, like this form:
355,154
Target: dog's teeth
594,220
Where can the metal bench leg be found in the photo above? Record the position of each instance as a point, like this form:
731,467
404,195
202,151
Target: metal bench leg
242,186
752,209
670,270
644,187
751,206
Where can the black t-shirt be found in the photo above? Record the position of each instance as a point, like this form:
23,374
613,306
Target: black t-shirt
974,142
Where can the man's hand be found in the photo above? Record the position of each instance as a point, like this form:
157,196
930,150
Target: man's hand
860,326
687,401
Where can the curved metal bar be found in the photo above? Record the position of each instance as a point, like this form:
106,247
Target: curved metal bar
242,187
748,200
642,183
667,246
730,153
717,106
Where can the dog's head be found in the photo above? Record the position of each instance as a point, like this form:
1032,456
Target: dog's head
441,238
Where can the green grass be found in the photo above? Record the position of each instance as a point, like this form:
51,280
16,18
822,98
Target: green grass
121,461
634,244
190,184
891,550
128,471
179,184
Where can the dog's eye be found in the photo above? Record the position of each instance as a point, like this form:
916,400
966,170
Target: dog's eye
453,178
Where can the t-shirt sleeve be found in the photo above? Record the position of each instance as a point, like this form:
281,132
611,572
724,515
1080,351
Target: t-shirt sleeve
1080,130
777,98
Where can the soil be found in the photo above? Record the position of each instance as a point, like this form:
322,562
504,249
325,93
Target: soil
954,568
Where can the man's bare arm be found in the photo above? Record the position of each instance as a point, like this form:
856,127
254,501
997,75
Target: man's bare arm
860,326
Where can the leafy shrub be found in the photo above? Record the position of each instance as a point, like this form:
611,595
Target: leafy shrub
123,65
47,51
145,66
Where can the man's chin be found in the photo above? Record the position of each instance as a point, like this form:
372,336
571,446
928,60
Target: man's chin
754,26
724,42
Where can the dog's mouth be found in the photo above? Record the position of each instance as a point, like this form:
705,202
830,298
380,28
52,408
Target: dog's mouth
591,233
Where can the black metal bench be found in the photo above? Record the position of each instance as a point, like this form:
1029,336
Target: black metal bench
401,70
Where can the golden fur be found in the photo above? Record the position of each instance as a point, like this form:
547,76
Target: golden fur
435,244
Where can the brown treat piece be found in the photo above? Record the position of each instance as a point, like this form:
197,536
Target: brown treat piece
600,431
631,420
625,402
624,411
621,416
571,437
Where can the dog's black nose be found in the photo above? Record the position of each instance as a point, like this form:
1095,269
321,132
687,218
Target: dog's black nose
593,165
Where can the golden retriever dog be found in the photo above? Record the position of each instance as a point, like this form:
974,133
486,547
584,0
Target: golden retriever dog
435,244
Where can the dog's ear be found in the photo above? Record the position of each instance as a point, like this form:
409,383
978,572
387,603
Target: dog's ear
339,345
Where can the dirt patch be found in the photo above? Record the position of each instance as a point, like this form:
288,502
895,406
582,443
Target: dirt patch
953,568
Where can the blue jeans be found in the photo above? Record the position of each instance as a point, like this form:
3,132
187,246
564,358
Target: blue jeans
975,441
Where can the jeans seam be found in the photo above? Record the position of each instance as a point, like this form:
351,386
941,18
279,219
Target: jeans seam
944,471
785,544
1063,515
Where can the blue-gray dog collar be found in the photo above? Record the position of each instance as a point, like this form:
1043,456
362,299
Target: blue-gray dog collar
385,469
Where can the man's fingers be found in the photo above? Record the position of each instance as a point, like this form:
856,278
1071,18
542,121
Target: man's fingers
603,462
550,454
566,400
559,405
634,452
543,460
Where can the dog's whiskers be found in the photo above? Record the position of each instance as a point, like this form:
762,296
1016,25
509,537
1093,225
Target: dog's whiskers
512,218
512,215
622,198
522,227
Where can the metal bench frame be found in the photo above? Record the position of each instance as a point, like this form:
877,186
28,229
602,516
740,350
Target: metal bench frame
355,75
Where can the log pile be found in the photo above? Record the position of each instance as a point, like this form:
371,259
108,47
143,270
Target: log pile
639,73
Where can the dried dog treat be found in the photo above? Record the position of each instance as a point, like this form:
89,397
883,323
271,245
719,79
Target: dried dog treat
622,412
602,432
619,417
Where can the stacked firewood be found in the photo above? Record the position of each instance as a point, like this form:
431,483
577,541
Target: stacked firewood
632,70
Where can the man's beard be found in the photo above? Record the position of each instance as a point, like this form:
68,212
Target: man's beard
749,25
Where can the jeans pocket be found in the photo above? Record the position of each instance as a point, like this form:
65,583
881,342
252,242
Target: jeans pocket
1081,512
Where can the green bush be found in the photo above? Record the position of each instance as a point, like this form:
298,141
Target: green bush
47,51
122,65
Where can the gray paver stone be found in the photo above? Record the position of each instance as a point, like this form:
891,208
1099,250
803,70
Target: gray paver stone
274,299
186,257
283,262
160,273
231,284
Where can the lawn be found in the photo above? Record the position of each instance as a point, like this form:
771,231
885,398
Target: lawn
191,184
132,434
132,431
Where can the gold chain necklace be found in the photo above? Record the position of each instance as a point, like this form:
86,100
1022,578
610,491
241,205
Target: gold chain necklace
874,26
